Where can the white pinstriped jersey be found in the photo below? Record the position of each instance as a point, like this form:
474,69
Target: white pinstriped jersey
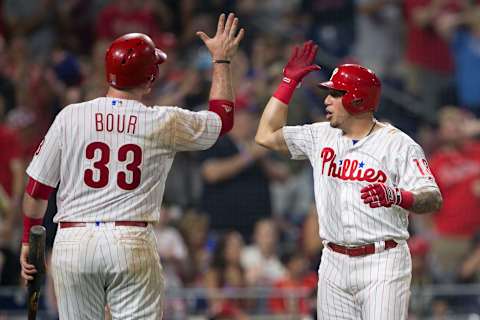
341,169
112,156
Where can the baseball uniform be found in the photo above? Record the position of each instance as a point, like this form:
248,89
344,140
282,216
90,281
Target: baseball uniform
110,158
373,286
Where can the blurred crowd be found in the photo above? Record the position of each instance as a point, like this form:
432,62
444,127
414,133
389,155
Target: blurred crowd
236,215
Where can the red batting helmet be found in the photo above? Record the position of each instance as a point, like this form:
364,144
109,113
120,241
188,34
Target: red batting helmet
132,60
361,86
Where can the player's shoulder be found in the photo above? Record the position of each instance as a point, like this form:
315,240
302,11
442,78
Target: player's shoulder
314,130
323,129
73,107
398,139
69,111
316,126
106,104
323,125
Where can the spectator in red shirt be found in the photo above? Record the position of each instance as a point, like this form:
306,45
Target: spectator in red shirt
456,167
11,171
124,16
428,55
10,160
298,278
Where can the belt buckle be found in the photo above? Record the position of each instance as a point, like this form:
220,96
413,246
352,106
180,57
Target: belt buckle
379,246
361,251
351,250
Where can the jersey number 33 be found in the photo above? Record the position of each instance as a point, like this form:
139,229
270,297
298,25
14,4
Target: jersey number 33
103,172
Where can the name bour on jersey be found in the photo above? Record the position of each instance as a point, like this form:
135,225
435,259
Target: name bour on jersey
115,122
349,169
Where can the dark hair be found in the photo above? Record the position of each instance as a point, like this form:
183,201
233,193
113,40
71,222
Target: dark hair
219,264
218,259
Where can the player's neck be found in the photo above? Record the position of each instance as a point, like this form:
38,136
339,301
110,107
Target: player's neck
134,94
360,128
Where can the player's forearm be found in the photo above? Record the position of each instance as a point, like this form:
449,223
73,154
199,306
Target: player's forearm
33,212
426,200
222,88
34,208
223,169
274,118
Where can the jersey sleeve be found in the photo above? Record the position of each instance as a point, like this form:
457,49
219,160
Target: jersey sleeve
195,130
45,165
414,170
299,140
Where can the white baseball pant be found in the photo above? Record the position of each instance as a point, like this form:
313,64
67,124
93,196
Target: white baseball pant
102,264
371,287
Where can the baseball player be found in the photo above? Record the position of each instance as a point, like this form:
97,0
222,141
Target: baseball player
367,176
110,158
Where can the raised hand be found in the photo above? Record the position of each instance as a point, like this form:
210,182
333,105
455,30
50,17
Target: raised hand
300,62
380,195
224,45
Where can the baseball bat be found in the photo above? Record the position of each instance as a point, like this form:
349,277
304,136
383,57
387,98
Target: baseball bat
36,257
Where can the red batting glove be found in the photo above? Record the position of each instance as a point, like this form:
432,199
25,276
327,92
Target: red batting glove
380,195
298,66
300,62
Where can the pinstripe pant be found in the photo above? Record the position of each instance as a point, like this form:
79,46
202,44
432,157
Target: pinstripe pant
372,287
97,265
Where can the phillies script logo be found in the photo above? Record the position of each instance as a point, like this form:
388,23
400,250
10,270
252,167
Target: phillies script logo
349,169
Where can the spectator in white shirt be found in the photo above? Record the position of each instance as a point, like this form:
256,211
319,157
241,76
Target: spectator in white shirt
260,260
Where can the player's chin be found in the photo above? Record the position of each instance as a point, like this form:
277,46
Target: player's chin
333,123
329,118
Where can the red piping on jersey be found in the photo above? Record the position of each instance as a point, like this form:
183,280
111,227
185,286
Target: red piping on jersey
38,190
225,109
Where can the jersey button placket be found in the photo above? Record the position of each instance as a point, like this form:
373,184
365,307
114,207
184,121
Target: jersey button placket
344,213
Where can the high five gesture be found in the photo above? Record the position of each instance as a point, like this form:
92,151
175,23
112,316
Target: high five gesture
224,45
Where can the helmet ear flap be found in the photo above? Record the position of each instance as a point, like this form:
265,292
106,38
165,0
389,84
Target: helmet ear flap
353,102
154,75
160,55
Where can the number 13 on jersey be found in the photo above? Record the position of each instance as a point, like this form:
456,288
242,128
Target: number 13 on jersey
423,167
101,166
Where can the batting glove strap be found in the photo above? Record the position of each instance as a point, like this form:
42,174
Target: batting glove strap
285,90
404,198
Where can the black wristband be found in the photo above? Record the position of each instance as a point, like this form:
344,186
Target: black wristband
221,61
